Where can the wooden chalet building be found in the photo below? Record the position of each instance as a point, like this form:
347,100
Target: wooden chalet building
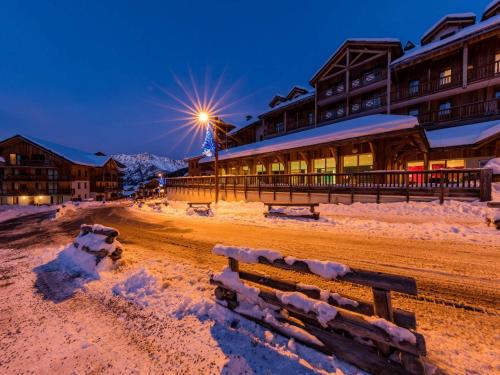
376,105
34,171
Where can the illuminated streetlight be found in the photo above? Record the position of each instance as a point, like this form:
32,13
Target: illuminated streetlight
205,118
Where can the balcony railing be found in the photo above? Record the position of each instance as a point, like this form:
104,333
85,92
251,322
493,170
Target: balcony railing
451,182
368,78
462,112
426,87
31,163
483,72
332,91
14,192
32,177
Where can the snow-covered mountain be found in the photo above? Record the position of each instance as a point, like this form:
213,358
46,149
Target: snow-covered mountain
142,167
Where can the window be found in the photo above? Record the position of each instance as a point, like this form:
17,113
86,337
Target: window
12,159
358,163
340,111
445,109
245,170
497,94
260,169
340,87
355,107
298,167
445,77
497,63
85,186
373,102
52,174
280,127
326,165
413,87
310,118
79,187
277,168
413,111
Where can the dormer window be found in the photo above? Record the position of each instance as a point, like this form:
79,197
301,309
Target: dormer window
445,77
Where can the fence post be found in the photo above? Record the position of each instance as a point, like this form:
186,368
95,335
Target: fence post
245,186
485,179
407,185
382,307
441,187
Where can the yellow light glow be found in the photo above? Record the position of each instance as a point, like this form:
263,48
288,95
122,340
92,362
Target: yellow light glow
203,117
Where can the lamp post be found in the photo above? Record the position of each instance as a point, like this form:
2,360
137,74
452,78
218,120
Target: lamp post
204,118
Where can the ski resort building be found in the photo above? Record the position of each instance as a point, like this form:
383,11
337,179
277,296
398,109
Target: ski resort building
378,105
34,171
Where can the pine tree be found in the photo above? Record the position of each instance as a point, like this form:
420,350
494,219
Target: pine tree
209,142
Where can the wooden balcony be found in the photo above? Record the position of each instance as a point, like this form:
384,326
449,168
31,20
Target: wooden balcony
368,78
469,111
32,177
31,163
405,92
30,192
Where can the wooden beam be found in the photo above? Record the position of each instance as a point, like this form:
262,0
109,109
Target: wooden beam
465,64
388,104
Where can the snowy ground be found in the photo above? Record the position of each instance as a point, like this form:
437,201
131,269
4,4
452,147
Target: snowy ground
155,312
453,220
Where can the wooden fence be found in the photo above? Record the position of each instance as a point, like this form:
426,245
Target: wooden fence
460,183
342,334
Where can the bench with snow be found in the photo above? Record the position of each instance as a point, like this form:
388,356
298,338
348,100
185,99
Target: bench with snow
372,335
287,213
201,208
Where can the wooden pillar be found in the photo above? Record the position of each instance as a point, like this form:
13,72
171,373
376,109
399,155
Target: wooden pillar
389,54
284,120
465,64
316,104
347,83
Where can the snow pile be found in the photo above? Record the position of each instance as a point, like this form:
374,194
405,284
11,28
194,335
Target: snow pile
99,241
8,212
325,269
399,333
493,164
200,211
291,211
245,254
82,264
324,312
140,287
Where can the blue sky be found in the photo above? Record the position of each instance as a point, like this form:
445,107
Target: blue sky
93,74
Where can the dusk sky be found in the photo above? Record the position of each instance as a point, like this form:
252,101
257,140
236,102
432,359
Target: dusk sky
93,74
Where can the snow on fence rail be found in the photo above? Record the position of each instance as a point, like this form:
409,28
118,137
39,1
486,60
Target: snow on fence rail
442,182
371,335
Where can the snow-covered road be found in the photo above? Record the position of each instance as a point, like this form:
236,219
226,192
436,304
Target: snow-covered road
172,324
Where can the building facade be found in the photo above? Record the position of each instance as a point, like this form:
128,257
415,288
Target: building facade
448,88
34,171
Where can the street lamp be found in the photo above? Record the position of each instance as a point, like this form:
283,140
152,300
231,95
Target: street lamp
204,118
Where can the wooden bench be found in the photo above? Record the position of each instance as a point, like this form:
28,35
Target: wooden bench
356,334
312,215
202,208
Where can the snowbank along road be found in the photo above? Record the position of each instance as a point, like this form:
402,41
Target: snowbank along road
161,316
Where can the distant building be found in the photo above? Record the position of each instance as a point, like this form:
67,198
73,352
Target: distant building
34,171
374,106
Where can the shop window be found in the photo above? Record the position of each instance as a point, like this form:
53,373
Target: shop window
413,86
358,163
277,168
298,167
326,165
445,77
260,169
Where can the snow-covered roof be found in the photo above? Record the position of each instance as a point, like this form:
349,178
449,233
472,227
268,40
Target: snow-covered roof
358,127
444,18
347,41
287,103
463,135
71,154
490,6
479,27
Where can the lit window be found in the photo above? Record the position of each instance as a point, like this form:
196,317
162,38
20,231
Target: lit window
277,168
497,63
245,170
437,164
358,163
445,77
326,165
413,87
260,169
298,167
455,164
12,159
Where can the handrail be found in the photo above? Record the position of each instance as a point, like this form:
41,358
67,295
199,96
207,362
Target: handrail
475,181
